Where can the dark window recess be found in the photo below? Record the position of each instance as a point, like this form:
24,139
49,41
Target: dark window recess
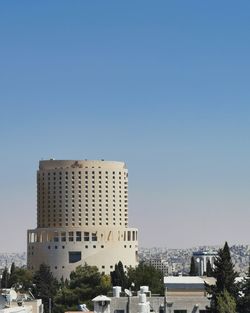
75,256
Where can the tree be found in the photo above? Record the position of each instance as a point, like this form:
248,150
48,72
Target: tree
12,277
45,286
224,272
24,278
5,278
85,283
244,299
209,271
118,276
225,279
20,278
226,303
146,275
193,270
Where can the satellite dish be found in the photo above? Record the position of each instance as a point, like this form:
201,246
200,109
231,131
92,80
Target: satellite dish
128,293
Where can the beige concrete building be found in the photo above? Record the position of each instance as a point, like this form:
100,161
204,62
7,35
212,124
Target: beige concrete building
186,294
82,216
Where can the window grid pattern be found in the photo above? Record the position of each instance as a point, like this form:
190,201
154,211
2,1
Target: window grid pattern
87,196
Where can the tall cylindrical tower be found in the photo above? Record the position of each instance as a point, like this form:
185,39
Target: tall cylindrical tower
82,216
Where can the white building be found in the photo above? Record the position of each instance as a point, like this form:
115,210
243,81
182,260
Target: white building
201,258
82,217
142,302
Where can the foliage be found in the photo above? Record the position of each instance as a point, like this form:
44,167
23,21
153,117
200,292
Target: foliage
225,279
225,303
20,278
45,286
12,277
193,270
146,275
224,272
244,299
85,284
5,278
118,276
209,271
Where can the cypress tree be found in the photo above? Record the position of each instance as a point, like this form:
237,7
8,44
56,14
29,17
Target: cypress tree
193,270
118,276
224,272
209,271
5,278
13,276
225,279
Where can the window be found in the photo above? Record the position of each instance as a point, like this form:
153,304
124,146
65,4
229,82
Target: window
94,237
78,236
56,239
71,236
86,236
75,256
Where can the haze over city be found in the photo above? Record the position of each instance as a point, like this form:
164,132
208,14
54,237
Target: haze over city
161,86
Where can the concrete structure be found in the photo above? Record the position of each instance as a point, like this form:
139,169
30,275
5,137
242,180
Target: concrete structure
27,306
160,264
201,258
101,304
143,302
182,295
186,294
82,217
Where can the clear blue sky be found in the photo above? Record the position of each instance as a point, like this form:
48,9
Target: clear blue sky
162,85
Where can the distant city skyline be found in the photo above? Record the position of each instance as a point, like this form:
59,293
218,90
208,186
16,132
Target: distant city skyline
163,87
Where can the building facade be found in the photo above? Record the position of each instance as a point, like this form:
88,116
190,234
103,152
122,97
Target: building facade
186,294
82,217
201,259
160,264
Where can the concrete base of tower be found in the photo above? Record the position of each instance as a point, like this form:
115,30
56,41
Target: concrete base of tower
64,250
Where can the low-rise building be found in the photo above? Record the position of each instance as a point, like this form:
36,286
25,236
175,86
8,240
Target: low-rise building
186,294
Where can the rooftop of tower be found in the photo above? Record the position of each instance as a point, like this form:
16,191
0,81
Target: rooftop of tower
63,164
